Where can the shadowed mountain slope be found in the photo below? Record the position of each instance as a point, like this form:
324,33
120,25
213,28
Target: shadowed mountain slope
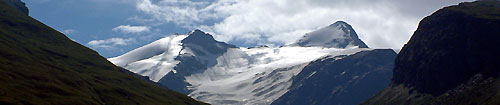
39,65
451,59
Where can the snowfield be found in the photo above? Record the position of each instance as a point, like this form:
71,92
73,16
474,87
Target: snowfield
234,75
154,60
241,75
256,75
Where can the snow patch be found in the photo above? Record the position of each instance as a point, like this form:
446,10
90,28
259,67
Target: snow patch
311,74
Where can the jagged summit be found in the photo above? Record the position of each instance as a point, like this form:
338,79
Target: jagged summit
337,35
198,38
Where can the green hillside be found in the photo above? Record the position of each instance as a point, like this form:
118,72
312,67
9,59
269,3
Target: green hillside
39,65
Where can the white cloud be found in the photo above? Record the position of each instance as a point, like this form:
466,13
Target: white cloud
69,31
181,12
131,29
110,43
115,1
379,23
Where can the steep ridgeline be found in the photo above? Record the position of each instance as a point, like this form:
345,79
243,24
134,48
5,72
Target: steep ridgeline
337,35
451,59
40,66
219,73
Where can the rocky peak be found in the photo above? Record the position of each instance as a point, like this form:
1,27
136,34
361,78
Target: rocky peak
206,42
199,37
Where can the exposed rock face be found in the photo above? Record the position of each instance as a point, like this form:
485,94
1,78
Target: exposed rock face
452,58
205,41
451,46
19,5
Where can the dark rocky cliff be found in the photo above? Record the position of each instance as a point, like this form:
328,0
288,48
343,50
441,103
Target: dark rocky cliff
451,55
451,46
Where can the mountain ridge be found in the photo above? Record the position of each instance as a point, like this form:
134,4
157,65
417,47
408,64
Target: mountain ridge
221,73
40,65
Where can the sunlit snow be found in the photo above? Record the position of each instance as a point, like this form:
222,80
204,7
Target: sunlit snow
242,75
154,60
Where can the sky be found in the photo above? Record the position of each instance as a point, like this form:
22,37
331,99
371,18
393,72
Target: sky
114,27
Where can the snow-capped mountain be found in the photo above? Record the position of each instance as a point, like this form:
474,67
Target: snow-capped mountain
154,60
219,73
337,35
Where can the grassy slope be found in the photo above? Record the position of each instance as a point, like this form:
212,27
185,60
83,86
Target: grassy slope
39,65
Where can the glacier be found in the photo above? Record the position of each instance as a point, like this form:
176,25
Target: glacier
219,73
